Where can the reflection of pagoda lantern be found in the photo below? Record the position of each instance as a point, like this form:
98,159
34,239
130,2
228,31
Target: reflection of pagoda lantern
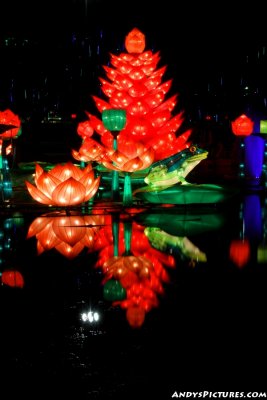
134,272
114,120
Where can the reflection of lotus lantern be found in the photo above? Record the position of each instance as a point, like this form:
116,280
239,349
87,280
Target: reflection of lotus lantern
68,234
12,278
240,252
135,316
118,267
113,290
64,185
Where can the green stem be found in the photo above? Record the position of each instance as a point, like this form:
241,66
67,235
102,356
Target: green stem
115,234
127,237
115,176
127,190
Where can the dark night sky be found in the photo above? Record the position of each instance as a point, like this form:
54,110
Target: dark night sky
198,41
215,20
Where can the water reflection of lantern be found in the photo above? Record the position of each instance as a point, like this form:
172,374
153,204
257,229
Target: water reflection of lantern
114,120
239,252
64,185
137,267
68,234
251,230
12,278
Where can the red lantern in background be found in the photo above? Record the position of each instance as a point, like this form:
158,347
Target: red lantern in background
242,126
8,118
85,129
240,252
12,278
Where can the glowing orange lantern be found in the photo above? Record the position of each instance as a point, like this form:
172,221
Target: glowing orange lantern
12,278
135,41
64,185
240,252
242,126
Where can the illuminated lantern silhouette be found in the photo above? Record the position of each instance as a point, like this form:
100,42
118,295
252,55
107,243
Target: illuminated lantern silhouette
12,278
64,185
242,126
239,252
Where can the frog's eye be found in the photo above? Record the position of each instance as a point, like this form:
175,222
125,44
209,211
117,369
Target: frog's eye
192,149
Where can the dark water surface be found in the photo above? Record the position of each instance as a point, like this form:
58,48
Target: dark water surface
207,331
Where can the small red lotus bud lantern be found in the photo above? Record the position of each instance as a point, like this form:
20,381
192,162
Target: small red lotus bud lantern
135,41
242,126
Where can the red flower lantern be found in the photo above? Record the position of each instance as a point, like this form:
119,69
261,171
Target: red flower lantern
242,126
